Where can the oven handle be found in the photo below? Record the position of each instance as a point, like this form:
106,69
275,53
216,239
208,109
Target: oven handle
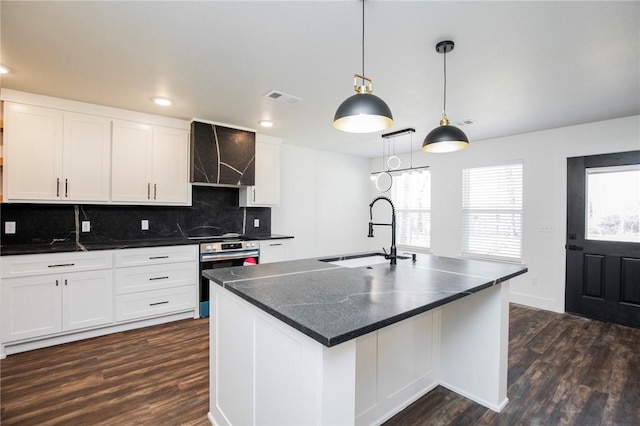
212,257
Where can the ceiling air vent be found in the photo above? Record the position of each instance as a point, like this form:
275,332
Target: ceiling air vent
283,97
466,122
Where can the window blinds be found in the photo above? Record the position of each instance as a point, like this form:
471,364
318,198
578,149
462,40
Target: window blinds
492,211
411,195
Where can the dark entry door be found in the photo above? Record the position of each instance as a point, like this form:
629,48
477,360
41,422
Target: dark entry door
603,239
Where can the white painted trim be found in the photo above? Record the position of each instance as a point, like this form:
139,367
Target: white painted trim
85,108
17,347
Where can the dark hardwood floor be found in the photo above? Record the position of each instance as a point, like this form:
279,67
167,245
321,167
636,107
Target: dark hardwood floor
563,370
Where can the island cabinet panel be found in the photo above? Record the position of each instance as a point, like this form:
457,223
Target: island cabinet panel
475,337
263,372
396,364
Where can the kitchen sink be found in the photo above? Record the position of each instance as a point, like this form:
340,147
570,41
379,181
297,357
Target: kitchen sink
356,260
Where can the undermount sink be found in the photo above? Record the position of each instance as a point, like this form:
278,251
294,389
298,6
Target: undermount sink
357,260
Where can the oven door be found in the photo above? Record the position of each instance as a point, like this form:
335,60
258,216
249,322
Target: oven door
222,260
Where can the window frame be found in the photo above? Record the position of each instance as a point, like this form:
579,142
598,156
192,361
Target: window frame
398,210
514,212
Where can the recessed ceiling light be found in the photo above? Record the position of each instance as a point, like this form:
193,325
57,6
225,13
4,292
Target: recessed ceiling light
266,123
4,70
162,101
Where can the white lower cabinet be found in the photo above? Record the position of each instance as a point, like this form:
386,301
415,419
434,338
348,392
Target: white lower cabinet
157,280
40,305
47,299
274,251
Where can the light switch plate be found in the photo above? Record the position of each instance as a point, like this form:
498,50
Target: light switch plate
9,227
86,226
256,223
144,224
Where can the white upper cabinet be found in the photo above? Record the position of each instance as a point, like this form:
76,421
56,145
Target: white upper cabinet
86,165
170,165
266,191
52,155
149,164
62,151
33,152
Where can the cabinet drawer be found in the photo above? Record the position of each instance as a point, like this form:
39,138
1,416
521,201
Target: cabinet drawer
155,277
40,264
156,302
156,255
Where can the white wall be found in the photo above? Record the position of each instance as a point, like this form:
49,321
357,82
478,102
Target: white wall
324,202
544,157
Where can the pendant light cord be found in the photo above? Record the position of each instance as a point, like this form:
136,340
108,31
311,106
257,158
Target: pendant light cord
444,106
363,40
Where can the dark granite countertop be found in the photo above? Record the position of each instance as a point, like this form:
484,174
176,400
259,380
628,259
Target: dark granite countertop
61,247
333,304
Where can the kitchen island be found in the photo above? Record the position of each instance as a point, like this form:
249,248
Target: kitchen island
351,340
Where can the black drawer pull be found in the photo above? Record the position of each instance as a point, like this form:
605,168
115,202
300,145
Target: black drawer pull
61,264
158,257
158,278
159,303
275,244
573,247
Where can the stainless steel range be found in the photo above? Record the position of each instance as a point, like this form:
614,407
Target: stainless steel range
222,254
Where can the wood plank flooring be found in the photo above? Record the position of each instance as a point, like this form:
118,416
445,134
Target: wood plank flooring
563,370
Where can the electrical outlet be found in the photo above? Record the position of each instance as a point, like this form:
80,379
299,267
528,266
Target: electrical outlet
144,224
547,229
9,227
86,226
256,223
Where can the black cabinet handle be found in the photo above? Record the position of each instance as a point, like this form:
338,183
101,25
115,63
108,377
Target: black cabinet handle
60,264
148,190
159,303
155,190
158,278
573,247
66,188
57,187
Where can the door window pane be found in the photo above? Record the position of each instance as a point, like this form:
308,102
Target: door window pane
613,204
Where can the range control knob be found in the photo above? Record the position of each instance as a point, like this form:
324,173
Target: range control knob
251,244
209,248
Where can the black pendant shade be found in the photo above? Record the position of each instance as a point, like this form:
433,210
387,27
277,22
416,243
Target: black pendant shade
445,138
363,113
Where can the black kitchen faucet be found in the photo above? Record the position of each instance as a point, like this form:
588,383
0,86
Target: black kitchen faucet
393,252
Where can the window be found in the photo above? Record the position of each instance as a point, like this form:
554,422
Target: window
492,212
411,195
613,203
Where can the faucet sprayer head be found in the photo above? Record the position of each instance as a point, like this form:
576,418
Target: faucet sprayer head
370,230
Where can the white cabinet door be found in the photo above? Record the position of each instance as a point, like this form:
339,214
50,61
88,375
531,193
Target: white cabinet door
150,164
131,162
170,165
266,191
86,158
273,251
87,299
33,152
31,307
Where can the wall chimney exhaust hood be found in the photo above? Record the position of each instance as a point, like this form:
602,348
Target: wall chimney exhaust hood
222,156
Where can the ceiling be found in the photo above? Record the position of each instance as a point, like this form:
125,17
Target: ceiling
517,67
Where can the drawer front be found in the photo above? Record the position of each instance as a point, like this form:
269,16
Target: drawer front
40,264
156,255
155,277
157,302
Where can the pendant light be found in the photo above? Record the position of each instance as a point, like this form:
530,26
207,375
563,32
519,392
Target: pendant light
363,112
445,138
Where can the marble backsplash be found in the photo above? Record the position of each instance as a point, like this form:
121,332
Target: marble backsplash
214,211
